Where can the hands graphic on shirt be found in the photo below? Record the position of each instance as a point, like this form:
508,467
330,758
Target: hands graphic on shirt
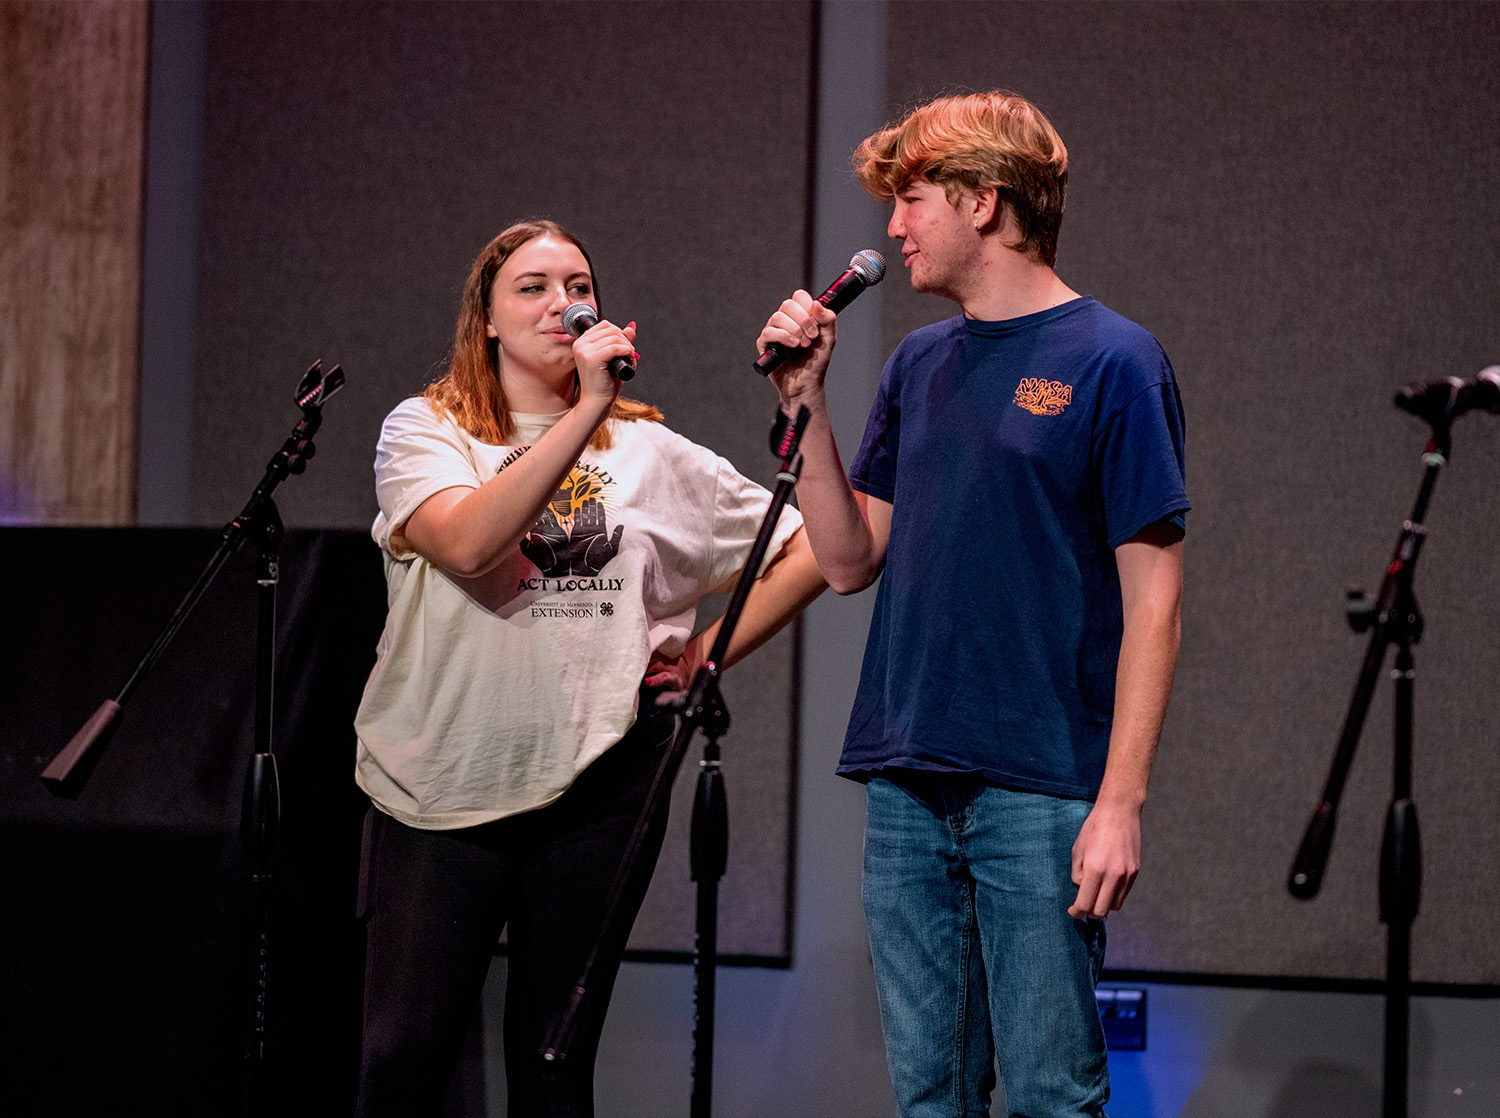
585,552
546,544
596,548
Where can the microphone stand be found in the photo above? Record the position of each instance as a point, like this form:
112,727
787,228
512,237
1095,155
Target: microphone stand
703,707
260,808
1393,617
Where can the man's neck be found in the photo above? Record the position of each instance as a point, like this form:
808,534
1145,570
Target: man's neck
1010,285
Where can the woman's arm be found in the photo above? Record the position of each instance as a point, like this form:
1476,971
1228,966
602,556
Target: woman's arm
467,532
783,590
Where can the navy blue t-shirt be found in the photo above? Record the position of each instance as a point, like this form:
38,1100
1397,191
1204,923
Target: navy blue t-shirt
1016,455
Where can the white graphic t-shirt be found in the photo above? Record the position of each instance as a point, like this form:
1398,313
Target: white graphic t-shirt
490,695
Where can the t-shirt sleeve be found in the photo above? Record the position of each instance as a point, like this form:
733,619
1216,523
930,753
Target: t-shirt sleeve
1141,464
739,507
420,453
873,470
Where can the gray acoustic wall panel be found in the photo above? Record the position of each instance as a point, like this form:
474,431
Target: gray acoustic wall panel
358,156
1301,202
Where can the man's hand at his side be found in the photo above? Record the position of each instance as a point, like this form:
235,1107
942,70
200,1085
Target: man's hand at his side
1106,859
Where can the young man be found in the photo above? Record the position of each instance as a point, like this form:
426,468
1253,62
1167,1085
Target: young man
1020,484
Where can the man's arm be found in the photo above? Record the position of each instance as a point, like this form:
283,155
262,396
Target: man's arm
848,530
1107,853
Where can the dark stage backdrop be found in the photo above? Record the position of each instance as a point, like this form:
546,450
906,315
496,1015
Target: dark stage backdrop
358,156
1300,201
123,958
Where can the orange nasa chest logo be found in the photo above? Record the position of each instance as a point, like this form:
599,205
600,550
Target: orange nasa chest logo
1043,397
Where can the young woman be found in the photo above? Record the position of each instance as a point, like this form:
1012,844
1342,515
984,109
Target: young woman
546,542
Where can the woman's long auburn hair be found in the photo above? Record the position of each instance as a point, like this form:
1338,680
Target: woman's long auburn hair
471,390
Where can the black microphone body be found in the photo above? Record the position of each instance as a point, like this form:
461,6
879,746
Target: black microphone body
1443,401
865,270
578,317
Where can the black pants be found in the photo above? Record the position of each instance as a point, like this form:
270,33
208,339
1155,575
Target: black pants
436,903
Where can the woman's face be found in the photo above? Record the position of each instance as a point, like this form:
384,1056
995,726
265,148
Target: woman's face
527,299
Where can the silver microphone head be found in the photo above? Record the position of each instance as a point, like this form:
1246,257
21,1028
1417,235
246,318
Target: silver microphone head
870,265
578,317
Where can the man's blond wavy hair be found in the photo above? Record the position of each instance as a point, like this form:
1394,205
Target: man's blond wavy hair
970,142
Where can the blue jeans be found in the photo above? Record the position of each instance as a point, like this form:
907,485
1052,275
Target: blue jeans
966,890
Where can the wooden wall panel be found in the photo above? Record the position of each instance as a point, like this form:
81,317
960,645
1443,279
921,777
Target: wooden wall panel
72,140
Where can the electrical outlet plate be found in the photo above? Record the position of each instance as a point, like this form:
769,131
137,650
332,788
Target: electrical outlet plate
1123,1013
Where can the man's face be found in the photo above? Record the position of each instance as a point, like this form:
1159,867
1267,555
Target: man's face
939,244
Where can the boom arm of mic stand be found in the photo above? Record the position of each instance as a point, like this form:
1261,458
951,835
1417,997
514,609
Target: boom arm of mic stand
786,478
703,706
1393,614
1317,841
70,769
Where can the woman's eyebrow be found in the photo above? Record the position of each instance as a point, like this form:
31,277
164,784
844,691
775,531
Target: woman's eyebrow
543,275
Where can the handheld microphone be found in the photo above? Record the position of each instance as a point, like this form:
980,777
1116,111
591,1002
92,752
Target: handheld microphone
1443,401
578,317
865,270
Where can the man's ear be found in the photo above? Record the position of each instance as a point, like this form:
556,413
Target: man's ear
986,209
